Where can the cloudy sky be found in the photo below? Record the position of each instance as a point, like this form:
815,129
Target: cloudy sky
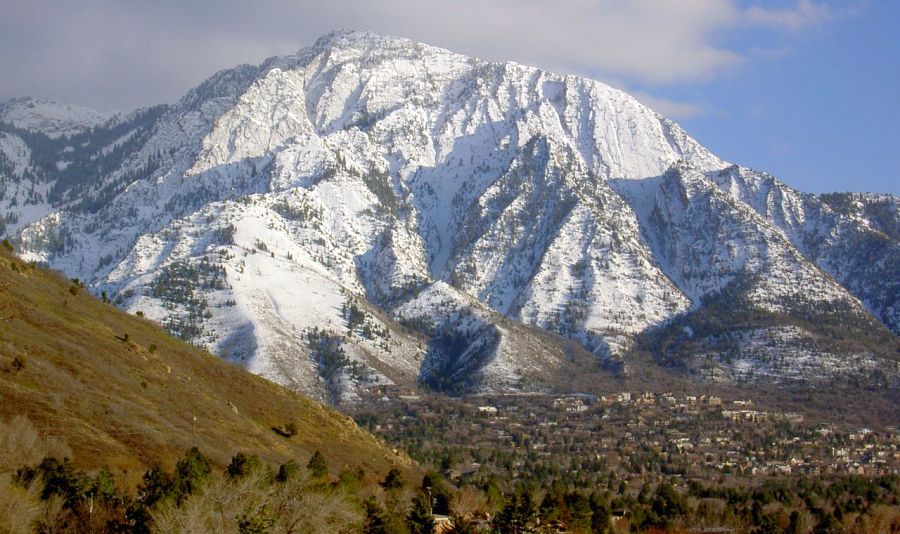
805,89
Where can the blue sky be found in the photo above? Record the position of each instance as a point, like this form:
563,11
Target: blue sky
806,90
817,106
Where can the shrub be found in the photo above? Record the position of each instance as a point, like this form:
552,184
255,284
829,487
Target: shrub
290,429
191,471
317,465
18,364
242,465
255,504
255,522
287,431
19,505
20,443
287,471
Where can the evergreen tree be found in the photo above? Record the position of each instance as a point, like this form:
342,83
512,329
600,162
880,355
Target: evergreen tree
600,513
374,523
550,506
420,519
378,520
155,486
579,509
434,484
668,504
518,510
525,505
393,480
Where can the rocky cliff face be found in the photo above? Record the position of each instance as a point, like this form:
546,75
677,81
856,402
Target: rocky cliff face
374,209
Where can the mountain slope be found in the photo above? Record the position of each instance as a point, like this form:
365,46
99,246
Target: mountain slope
125,394
853,237
368,210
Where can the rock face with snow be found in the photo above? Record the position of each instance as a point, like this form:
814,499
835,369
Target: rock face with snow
375,210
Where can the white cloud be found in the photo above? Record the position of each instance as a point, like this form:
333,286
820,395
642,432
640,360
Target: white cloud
805,13
112,54
650,41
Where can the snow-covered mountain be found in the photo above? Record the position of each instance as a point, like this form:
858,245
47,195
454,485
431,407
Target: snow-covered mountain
54,119
375,210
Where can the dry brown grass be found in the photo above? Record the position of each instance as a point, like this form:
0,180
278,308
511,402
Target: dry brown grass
118,404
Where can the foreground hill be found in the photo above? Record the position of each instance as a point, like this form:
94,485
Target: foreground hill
124,394
374,210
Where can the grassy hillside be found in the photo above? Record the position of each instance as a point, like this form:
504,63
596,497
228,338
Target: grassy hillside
124,394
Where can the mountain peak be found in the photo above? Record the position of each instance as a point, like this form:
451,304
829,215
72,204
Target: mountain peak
349,38
345,37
